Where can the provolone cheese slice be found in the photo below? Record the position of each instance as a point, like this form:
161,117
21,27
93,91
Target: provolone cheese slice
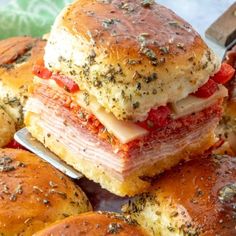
123,130
192,104
80,98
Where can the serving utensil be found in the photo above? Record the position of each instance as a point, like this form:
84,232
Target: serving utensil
223,30
221,34
24,138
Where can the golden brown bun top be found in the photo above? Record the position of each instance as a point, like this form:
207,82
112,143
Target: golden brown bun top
204,191
129,55
17,56
93,224
33,194
121,26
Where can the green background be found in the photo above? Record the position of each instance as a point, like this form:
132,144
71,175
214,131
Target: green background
29,17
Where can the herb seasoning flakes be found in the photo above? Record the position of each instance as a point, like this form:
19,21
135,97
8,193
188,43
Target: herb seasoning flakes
13,197
149,53
104,1
136,105
164,50
126,6
228,193
5,164
133,62
147,3
180,45
151,78
107,23
114,228
46,202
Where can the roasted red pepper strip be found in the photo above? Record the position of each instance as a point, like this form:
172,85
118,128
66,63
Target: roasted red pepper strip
225,74
41,71
157,118
65,82
208,89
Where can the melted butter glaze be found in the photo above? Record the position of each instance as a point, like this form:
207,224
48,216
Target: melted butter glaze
202,191
17,57
33,194
93,224
131,26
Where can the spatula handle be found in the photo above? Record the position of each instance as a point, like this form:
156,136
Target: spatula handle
223,30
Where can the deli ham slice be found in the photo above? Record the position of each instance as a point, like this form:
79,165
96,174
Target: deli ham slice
59,120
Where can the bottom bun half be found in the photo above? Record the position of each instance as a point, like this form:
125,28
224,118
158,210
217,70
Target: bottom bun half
138,181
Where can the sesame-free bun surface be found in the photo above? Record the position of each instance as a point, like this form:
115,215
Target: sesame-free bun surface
17,56
129,56
33,194
7,128
195,198
94,224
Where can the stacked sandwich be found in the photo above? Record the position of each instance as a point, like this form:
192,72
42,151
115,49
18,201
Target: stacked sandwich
126,90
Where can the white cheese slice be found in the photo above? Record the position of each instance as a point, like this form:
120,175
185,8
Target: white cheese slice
52,83
125,131
80,98
193,104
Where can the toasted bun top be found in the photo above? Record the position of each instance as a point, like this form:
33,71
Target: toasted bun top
33,194
200,195
130,55
17,56
93,224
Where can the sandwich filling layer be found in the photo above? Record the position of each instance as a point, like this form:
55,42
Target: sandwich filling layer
128,89
81,131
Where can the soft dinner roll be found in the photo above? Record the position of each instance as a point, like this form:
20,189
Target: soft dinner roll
196,198
93,224
17,56
7,128
130,55
33,194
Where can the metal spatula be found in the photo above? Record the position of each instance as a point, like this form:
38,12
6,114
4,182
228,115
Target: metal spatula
24,138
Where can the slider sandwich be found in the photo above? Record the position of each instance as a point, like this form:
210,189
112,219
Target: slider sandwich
127,90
